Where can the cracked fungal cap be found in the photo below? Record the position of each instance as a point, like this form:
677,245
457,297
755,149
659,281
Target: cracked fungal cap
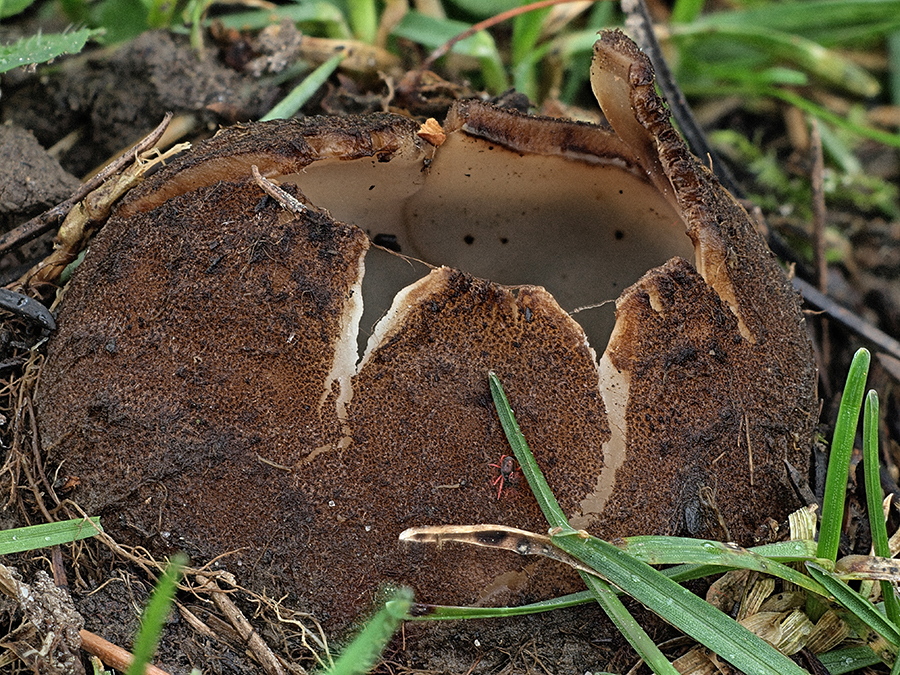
232,376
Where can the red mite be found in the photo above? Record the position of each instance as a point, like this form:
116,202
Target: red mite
507,467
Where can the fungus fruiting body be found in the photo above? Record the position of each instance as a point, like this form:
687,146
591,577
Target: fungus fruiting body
229,375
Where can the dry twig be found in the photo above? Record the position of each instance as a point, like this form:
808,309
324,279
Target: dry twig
260,649
112,655
45,222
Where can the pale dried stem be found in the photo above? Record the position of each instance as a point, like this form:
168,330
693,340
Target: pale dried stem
277,193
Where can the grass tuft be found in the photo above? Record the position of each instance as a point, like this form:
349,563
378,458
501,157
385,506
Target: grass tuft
155,614
363,652
839,459
47,534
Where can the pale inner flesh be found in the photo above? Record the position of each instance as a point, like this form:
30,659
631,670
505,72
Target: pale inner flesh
583,231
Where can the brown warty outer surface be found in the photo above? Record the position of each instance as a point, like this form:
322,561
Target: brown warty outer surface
208,385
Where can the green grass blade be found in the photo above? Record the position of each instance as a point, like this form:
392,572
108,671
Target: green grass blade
719,89
893,45
637,637
43,47
364,20
330,17
815,19
526,32
842,661
871,466
363,652
861,608
837,150
684,610
788,551
825,64
122,20
603,594
155,614
784,551
686,11
445,612
839,459
494,73
290,104
482,9
669,547
678,550
160,13
826,115
657,592
47,534
532,472
525,55
13,7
